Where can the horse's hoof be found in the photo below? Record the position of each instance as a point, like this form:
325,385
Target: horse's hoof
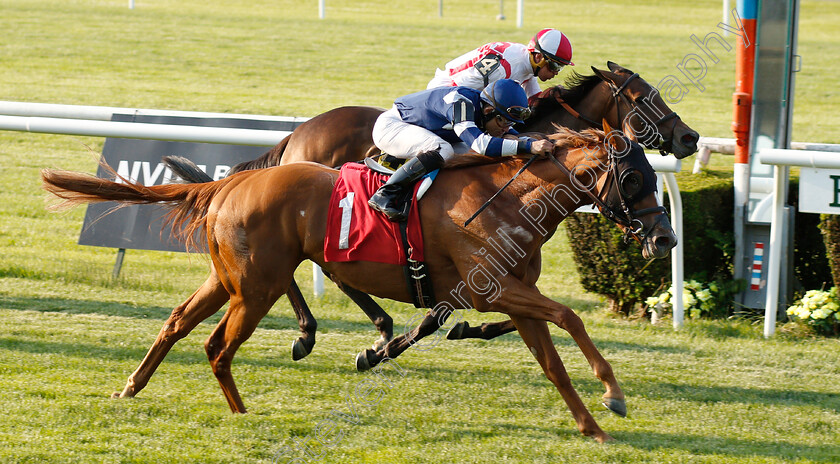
380,344
603,438
362,363
615,405
457,331
299,350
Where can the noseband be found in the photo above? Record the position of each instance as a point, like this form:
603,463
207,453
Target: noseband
626,217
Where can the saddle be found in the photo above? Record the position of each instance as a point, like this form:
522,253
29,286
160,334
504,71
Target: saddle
389,162
355,232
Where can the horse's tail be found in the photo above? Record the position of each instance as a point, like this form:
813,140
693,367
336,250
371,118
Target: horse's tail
189,202
190,172
186,169
270,158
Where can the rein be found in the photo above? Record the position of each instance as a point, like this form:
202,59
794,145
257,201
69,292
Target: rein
490,200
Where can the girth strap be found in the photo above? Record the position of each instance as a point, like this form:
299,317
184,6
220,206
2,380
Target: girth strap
416,275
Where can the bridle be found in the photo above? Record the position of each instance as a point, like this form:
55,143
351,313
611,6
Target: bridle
618,93
625,216
653,143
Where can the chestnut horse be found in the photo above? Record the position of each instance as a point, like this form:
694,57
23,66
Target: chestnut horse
261,224
618,96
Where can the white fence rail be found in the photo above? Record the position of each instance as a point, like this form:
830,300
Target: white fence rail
780,159
134,130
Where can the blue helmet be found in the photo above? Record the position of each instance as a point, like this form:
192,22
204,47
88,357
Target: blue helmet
508,98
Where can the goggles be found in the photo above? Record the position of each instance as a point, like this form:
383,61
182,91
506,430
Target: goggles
503,121
555,66
519,112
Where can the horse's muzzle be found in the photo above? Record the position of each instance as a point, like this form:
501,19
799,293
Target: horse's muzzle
684,141
661,239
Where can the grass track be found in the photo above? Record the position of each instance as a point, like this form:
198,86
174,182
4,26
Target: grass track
714,392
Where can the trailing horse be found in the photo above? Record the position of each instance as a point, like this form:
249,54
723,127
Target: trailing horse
261,224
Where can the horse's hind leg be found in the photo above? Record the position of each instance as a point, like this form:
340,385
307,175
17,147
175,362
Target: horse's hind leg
433,321
199,306
487,331
302,345
236,326
383,322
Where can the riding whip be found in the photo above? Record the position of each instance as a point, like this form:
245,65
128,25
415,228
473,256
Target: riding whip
487,203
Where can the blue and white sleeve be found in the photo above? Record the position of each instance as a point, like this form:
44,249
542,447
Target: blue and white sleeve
488,145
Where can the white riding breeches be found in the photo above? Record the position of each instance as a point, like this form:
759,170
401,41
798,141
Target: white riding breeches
399,139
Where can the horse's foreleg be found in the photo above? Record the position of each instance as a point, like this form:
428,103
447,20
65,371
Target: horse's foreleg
198,307
302,345
613,398
527,302
487,331
236,326
383,322
538,339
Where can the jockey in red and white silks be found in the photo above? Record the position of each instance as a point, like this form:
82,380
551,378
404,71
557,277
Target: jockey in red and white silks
542,59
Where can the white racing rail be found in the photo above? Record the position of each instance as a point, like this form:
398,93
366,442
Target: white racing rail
780,159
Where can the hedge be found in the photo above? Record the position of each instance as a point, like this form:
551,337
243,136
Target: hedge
830,226
612,268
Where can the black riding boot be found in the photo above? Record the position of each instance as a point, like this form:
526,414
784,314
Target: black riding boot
385,199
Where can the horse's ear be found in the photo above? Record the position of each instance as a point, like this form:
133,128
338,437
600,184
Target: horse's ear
617,68
606,126
605,75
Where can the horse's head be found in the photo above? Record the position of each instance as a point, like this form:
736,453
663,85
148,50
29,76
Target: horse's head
632,193
621,183
644,116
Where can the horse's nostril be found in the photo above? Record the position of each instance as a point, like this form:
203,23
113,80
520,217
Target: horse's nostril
665,241
690,138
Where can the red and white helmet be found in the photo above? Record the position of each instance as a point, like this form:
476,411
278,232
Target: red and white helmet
553,45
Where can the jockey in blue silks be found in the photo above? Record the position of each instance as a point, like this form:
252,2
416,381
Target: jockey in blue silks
432,126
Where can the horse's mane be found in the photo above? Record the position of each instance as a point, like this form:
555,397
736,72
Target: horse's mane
564,138
574,88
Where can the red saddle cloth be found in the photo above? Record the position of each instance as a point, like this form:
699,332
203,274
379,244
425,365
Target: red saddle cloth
355,232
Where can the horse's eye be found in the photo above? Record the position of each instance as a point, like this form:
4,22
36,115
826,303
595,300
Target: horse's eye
630,183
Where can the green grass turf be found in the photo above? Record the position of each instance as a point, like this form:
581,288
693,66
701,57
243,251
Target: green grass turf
713,392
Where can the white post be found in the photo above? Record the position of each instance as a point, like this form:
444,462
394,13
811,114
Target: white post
677,252
520,9
725,16
321,9
317,281
130,4
777,230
